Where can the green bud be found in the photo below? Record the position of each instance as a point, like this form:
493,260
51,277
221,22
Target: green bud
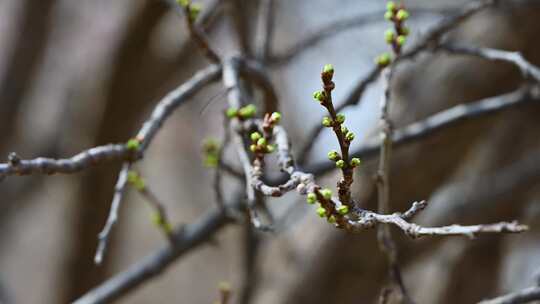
332,219
327,122
133,144
136,180
383,60
340,164
211,161
401,40
344,129
253,148
342,209
333,155
319,96
321,212
270,148
261,141
389,35
311,198
255,136
328,69
391,6
389,15
247,111
355,162
340,118
402,15
276,117
183,2
326,193
349,136
231,112
194,11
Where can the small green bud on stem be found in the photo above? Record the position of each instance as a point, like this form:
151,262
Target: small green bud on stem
133,144
332,219
340,164
326,193
327,122
255,136
340,118
311,198
355,162
383,60
401,40
342,209
248,111
136,180
402,15
231,112
319,96
391,6
321,212
389,35
333,155
275,117
349,136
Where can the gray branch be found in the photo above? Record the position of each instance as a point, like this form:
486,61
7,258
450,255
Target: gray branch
528,70
523,296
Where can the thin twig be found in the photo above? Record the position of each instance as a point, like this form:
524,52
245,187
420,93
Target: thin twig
528,70
186,238
265,30
339,26
195,31
103,236
523,296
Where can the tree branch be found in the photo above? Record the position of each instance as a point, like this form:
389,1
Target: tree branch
523,296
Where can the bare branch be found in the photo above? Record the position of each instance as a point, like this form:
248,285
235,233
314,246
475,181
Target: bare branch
528,70
523,296
195,30
185,239
103,236
331,30
369,219
265,29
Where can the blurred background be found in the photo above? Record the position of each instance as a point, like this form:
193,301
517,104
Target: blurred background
75,74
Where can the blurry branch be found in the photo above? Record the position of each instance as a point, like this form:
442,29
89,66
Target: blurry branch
79,162
236,101
240,14
103,236
472,195
430,39
265,30
255,72
433,35
160,217
184,239
395,37
191,12
528,70
439,121
336,27
523,296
